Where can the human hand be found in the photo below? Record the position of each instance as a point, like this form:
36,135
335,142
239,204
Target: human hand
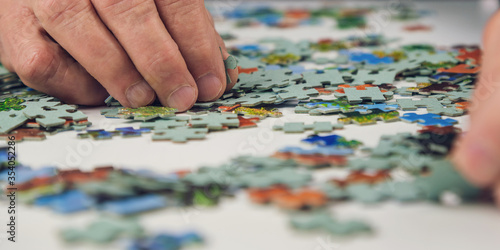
81,51
477,155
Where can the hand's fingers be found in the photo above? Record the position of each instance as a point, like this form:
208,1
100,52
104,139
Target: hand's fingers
139,29
188,24
478,153
5,19
489,79
490,30
233,73
76,27
43,65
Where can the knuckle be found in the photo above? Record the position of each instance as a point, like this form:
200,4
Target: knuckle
164,60
165,66
60,12
202,48
37,65
130,9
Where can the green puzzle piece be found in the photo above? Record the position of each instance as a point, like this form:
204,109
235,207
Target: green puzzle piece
370,118
11,103
141,114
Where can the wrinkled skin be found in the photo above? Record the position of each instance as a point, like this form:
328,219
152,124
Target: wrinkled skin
81,51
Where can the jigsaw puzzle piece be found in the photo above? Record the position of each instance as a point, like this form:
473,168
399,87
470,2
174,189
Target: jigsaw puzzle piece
332,140
369,118
68,202
372,77
180,134
11,120
135,205
105,229
365,193
166,123
372,94
428,119
328,151
296,91
323,221
323,78
444,178
215,121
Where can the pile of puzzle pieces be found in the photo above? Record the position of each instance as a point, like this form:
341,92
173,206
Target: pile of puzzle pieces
26,114
285,179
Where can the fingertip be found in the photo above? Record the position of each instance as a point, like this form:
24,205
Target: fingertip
140,94
476,159
182,98
210,87
490,31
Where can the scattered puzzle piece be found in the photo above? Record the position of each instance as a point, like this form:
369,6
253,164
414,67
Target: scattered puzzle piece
300,127
323,221
428,119
21,134
369,118
180,134
215,121
372,94
141,114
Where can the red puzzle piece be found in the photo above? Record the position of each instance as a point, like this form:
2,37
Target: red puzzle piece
474,56
461,68
29,134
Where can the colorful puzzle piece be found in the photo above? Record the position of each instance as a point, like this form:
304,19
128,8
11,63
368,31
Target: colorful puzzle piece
428,119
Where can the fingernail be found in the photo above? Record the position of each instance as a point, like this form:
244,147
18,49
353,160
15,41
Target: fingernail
140,94
209,87
482,160
182,98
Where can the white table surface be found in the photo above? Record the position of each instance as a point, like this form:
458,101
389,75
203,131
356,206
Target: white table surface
239,224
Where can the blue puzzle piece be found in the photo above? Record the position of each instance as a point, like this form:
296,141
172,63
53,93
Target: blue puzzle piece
383,107
273,67
369,58
166,241
428,119
67,202
449,77
135,204
317,150
130,131
329,140
26,174
101,134
270,19
298,69
3,155
249,47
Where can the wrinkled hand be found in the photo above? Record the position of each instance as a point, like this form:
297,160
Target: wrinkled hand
478,153
81,51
